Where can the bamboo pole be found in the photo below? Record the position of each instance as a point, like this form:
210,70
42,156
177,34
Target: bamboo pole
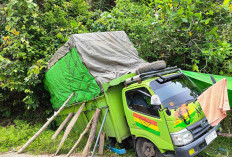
81,136
45,125
69,127
92,134
62,126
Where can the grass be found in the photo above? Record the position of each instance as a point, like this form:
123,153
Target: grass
213,149
15,136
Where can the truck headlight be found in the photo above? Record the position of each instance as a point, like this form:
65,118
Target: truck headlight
182,137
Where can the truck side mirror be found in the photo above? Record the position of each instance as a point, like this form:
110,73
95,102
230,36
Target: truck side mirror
155,100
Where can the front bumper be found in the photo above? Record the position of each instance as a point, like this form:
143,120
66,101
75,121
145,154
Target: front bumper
198,145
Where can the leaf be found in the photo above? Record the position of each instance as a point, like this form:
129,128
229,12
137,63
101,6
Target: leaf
6,38
221,72
30,6
7,28
230,8
180,11
195,67
59,35
15,19
230,66
36,70
15,32
198,15
162,16
27,91
189,1
207,21
214,30
226,2
190,34
184,20
210,12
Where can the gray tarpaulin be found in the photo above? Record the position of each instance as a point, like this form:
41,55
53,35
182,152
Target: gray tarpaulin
107,55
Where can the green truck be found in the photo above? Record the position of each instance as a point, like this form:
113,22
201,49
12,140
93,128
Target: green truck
155,106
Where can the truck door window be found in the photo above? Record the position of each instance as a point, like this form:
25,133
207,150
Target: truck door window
139,100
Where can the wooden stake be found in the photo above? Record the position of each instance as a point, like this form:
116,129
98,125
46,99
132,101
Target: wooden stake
99,133
81,136
92,134
69,127
101,143
45,125
62,126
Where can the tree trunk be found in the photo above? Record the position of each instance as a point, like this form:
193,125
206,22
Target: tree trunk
45,125
62,126
92,134
69,127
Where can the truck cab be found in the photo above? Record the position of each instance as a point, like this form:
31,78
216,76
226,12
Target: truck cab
164,116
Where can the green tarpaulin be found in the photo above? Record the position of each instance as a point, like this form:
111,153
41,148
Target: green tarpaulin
70,75
204,81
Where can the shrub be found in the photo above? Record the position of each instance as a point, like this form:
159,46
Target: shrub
29,37
194,35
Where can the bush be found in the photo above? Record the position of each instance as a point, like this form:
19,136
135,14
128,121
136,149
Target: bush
29,37
194,35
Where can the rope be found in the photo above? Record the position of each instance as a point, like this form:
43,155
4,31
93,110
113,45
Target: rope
84,111
84,76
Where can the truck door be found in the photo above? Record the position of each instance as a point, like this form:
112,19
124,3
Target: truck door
144,120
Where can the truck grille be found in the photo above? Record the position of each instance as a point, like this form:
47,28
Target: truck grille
199,128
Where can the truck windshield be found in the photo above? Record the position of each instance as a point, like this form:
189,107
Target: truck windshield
175,92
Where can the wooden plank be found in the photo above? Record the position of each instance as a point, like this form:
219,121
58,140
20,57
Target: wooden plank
62,126
101,143
45,125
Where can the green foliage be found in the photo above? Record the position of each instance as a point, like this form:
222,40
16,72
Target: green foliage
29,37
190,34
213,149
203,38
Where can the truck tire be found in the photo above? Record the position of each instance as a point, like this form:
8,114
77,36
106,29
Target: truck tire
145,148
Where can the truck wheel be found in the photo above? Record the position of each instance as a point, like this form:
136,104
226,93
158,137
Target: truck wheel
145,148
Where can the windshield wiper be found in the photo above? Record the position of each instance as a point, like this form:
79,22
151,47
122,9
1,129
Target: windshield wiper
190,100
